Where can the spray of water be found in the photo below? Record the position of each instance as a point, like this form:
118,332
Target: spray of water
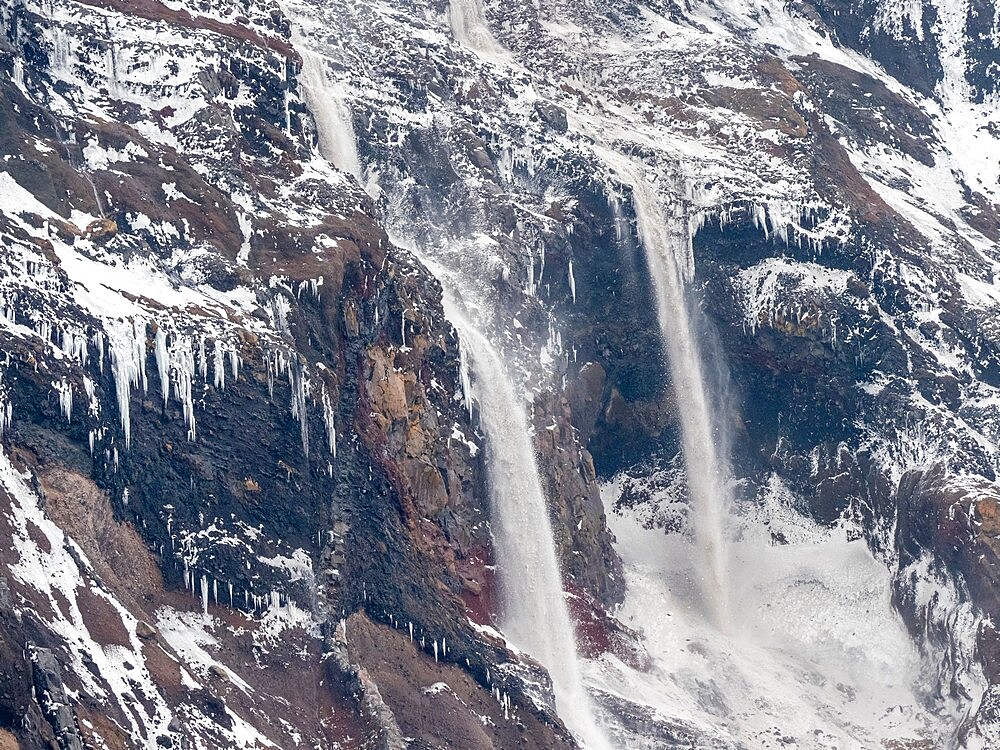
667,244
536,618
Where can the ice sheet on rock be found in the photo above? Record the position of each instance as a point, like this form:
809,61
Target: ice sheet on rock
188,634
779,286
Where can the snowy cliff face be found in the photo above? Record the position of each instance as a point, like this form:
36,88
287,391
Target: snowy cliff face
232,412
837,168
243,481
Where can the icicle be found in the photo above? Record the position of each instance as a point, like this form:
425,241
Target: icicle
7,310
298,380
182,356
98,339
572,281
65,390
74,346
329,420
6,412
128,364
177,367
163,363
219,366
280,307
94,406
202,359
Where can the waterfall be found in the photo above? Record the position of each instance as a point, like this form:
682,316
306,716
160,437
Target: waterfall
334,125
468,26
535,618
667,244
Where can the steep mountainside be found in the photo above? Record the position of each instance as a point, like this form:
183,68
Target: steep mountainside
225,392
252,476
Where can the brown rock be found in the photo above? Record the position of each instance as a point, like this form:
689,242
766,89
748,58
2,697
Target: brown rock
100,230
388,387
430,493
436,703
101,618
351,320
8,741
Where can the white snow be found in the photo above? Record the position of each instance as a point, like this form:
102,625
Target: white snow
818,657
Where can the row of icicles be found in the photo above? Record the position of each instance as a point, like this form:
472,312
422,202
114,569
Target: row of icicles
180,359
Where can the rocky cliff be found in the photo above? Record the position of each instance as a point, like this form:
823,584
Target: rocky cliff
225,392
243,486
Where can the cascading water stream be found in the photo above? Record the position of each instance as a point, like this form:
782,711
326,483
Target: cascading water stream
468,25
667,244
333,119
535,618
